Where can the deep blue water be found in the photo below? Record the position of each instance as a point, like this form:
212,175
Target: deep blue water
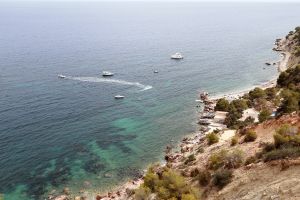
64,132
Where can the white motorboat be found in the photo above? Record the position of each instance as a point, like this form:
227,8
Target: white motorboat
155,71
177,56
61,76
107,73
119,97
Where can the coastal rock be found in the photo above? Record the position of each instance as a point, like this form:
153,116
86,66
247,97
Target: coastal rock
99,197
66,191
129,192
108,175
87,183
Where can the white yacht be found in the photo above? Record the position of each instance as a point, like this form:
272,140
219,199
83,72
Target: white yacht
119,97
61,76
155,71
107,73
177,56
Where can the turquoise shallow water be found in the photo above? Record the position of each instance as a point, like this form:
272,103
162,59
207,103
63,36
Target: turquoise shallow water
72,132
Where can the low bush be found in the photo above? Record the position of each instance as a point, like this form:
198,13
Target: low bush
191,158
234,141
287,135
212,138
217,160
200,150
287,152
250,136
249,160
222,177
268,147
234,159
226,159
264,115
280,140
222,105
257,93
168,184
188,197
142,193
204,177
248,121
194,172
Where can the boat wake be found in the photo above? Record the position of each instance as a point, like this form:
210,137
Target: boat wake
113,81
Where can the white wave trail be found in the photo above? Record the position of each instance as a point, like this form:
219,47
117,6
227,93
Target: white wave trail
109,80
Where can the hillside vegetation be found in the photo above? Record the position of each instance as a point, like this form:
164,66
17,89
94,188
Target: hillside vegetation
260,161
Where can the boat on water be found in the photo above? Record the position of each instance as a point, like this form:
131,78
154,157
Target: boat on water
119,97
107,73
155,71
61,76
177,56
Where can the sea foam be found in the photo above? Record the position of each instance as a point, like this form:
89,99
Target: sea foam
109,80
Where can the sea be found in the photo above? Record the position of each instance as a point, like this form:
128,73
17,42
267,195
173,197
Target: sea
72,132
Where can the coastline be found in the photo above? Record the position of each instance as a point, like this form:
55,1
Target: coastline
189,141
282,65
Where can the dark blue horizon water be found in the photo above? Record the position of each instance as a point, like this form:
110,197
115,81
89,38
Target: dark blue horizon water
72,132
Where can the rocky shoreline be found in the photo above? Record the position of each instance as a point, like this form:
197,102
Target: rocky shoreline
209,120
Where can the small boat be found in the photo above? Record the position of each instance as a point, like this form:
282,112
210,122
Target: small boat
267,63
107,73
177,56
61,76
119,97
155,71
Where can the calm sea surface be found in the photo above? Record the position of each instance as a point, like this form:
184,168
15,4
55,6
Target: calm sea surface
72,132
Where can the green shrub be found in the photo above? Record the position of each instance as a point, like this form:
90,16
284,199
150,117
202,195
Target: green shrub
271,93
234,141
212,138
217,160
226,159
292,75
297,51
287,134
222,105
257,93
280,140
191,158
240,104
248,121
204,177
216,131
200,150
287,152
250,136
151,179
289,105
268,147
264,115
232,117
222,177
168,185
234,159
142,193
249,160
188,197
194,172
